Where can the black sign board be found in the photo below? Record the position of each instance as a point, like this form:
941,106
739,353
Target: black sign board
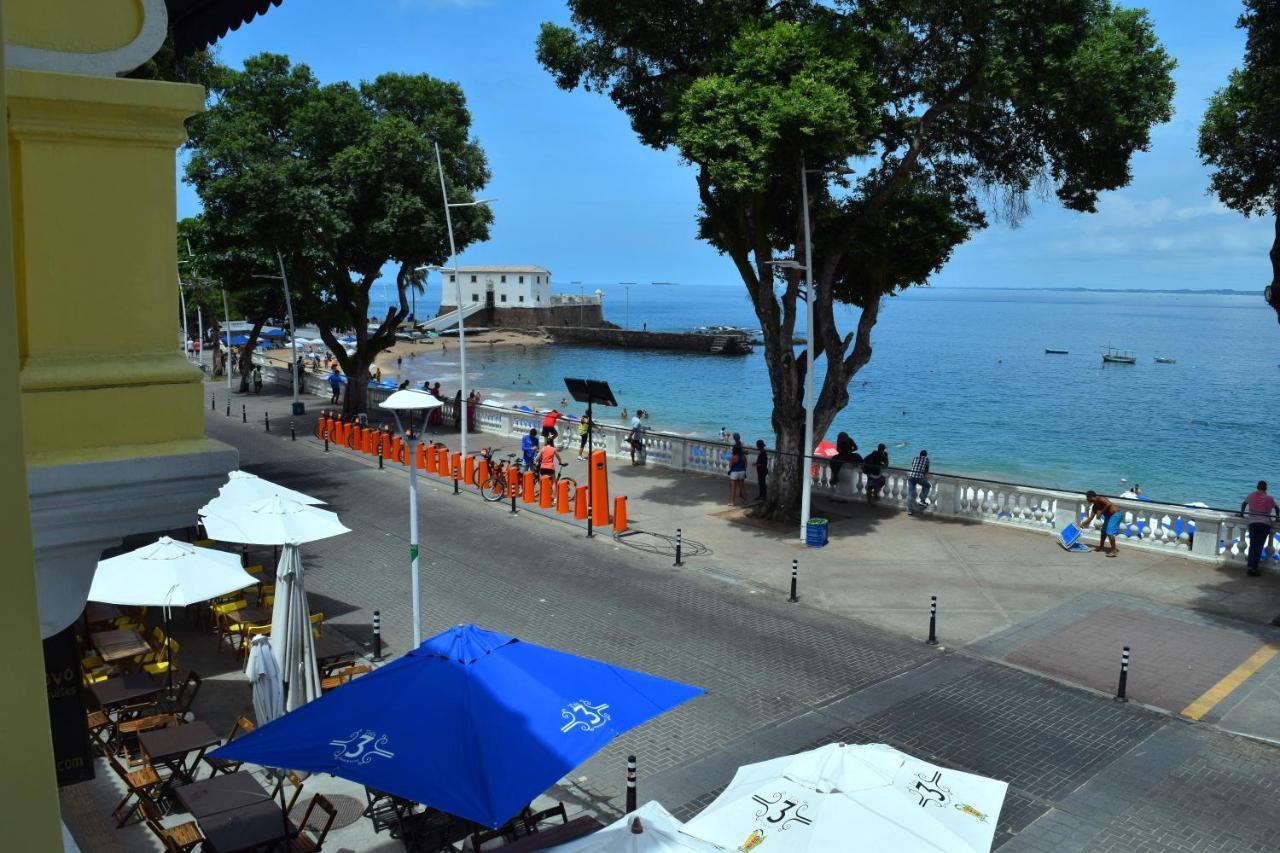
72,755
590,391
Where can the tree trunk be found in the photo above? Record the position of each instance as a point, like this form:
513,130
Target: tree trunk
1273,292
246,352
787,471
356,399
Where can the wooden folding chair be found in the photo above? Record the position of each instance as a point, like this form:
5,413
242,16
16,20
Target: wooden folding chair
337,678
304,841
182,838
141,784
242,726
533,822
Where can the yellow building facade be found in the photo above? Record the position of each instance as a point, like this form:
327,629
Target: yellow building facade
110,441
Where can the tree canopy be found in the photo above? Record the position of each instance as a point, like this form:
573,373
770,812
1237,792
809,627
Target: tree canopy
342,180
940,113
1240,134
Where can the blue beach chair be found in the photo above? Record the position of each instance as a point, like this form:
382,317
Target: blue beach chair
1069,539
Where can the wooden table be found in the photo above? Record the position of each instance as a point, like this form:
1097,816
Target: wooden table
331,649
224,793
120,644
250,615
544,838
125,688
245,828
171,745
96,611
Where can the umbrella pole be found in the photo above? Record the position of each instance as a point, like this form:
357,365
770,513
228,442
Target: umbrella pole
168,653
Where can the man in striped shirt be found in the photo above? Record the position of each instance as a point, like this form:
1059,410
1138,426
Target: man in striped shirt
916,480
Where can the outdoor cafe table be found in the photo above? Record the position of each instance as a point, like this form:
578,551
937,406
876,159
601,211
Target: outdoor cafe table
251,615
171,745
555,835
125,688
330,649
96,611
120,644
245,828
225,793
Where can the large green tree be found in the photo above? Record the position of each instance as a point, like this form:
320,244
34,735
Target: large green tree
342,180
940,113
1240,135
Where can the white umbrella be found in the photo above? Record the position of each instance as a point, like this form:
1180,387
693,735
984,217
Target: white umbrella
274,521
168,574
648,829
264,675
243,487
291,641
870,798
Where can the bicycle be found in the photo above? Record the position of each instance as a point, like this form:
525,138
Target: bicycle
495,484
556,477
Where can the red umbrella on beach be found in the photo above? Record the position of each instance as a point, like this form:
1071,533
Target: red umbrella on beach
824,450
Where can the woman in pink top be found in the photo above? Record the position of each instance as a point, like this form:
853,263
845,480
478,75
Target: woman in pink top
1259,509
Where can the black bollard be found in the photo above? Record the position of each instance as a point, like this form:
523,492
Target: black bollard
326,439
228,407
455,482
514,471
678,544
213,403
795,566
244,414
293,433
933,621
631,784
1124,676
266,417
379,453
377,635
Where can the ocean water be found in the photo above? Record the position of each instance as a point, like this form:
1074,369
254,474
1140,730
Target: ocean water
963,373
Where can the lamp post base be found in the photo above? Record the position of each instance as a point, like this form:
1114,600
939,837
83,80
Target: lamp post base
299,408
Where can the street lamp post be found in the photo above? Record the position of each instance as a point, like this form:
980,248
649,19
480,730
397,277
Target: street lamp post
453,262
407,401
226,362
298,407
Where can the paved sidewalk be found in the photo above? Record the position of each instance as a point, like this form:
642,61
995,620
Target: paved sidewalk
847,662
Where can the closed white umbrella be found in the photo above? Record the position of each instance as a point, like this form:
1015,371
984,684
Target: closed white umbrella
648,829
274,521
870,798
250,488
291,641
167,574
264,676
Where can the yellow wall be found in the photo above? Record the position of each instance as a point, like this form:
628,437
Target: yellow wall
79,26
92,171
29,807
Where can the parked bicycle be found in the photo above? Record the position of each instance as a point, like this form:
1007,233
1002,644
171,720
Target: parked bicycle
495,484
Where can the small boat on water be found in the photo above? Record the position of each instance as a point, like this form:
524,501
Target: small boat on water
1114,356
1052,351
1164,359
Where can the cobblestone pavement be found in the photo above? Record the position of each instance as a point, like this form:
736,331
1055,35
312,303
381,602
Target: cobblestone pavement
1085,773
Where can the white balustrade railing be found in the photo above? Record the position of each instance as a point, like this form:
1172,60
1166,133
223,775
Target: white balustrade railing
1201,534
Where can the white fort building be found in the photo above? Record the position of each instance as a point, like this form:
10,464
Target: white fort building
512,285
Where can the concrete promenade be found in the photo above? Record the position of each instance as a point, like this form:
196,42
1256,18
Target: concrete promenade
1019,687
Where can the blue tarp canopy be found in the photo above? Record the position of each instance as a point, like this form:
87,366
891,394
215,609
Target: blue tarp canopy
471,722
271,333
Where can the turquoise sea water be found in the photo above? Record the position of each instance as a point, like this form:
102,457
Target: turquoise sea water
964,374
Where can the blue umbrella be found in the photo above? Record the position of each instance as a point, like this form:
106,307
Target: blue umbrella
471,722
270,332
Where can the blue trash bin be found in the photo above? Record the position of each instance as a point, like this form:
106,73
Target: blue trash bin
815,533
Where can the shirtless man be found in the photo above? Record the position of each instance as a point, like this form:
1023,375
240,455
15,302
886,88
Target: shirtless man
1100,507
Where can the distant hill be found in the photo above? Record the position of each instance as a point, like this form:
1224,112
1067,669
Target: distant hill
1222,291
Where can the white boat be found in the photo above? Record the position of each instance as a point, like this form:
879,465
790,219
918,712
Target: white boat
1164,359
1052,351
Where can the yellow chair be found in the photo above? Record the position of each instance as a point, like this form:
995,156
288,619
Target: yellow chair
203,543
317,624
228,630
246,640
161,661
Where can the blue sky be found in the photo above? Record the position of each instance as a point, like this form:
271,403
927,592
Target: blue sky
580,195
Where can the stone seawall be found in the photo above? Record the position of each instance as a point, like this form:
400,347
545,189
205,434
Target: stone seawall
630,339
585,315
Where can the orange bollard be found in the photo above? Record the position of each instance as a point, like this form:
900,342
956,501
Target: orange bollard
482,472
527,487
544,492
469,470
442,463
580,497
599,483
430,463
513,479
455,467
562,497
421,457
342,433
370,442
619,513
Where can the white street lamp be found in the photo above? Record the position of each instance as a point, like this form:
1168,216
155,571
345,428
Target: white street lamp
298,407
453,262
408,401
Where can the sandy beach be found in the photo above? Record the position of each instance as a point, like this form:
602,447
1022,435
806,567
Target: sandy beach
436,349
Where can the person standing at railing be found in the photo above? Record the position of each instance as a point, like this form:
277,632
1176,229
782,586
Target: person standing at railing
584,434
846,454
1110,514
737,470
1259,509
635,438
762,470
873,466
916,480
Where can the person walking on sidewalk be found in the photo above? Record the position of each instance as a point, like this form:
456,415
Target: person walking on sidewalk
916,480
1259,509
584,434
548,456
635,438
257,379
335,383
737,470
762,470
529,448
1103,508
